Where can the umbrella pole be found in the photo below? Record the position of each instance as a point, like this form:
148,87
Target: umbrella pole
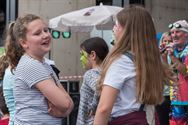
102,33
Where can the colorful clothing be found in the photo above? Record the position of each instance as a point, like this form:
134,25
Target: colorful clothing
179,93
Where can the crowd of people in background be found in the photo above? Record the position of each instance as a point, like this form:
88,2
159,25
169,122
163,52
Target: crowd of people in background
174,53
140,81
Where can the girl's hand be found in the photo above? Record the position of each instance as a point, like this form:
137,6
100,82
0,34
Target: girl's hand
90,113
170,48
53,111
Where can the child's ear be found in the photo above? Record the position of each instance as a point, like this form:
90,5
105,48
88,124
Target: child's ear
23,43
93,55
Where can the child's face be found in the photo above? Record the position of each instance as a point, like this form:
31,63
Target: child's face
83,58
118,30
38,39
86,60
167,39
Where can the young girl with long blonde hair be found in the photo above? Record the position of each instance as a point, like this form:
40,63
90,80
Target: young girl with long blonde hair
132,74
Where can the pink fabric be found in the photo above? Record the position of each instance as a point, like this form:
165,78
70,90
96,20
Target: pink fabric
183,89
4,121
183,85
180,121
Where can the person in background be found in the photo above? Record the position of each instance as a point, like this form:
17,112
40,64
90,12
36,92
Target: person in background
163,110
4,120
129,86
178,53
93,51
165,40
2,68
39,97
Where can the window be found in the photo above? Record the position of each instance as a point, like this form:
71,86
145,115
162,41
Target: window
136,2
105,2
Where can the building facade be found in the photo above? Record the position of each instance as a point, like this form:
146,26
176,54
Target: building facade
65,52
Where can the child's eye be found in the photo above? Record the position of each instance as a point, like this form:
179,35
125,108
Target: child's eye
37,33
46,30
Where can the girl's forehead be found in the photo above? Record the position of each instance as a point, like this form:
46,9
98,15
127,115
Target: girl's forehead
36,22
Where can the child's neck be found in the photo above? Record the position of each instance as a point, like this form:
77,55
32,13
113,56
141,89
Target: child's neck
95,66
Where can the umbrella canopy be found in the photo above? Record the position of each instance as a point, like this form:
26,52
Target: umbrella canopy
102,17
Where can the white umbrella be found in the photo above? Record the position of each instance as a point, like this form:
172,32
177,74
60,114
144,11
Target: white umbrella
102,17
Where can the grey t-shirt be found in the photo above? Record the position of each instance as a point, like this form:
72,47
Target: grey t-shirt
121,75
31,105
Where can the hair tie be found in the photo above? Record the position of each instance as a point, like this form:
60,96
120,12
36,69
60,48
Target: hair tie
11,25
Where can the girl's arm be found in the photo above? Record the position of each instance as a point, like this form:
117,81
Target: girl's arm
57,96
107,100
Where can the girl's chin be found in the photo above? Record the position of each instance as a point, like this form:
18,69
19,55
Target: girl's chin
46,51
47,48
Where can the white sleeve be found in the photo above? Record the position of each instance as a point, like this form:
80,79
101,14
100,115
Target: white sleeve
119,72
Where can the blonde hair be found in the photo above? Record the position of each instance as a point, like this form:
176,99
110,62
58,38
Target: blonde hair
162,37
139,37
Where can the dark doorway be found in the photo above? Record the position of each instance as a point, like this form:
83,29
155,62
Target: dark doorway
8,13
2,19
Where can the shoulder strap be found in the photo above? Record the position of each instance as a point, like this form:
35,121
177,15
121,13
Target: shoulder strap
141,107
130,55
